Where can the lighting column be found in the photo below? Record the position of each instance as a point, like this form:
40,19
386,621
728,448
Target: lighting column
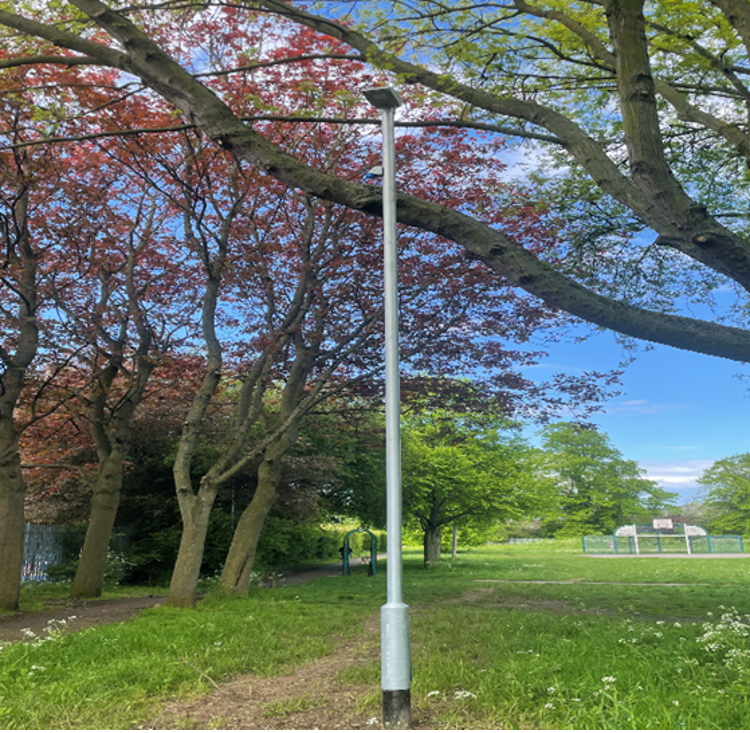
394,615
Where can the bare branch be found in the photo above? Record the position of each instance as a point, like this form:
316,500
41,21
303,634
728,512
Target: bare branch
279,62
42,59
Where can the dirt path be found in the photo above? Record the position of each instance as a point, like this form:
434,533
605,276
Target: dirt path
317,696
74,615
323,695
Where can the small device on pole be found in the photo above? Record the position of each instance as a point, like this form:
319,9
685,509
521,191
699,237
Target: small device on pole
395,645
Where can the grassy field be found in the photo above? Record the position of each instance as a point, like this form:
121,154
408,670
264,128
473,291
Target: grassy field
599,652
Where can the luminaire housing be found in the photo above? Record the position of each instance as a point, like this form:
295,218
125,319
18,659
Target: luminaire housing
383,97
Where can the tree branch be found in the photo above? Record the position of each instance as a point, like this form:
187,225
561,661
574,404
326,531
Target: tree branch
42,59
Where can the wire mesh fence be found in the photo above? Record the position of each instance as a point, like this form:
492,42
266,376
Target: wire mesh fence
42,547
672,544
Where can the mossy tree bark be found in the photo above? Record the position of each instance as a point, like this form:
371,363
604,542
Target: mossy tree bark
235,576
105,500
12,494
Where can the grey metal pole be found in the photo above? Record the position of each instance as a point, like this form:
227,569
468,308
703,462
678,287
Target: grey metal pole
395,644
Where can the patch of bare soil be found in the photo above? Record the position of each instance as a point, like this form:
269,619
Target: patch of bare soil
319,696
553,606
73,615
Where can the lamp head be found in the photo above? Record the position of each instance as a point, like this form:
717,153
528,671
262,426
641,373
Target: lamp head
383,97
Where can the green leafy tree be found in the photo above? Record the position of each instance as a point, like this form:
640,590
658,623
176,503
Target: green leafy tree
353,437
598,489
726,487
464,468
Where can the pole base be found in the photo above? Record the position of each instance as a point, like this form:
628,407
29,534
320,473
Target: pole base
396,709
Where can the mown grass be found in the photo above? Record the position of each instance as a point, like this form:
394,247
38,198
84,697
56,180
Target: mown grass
486,654
580,656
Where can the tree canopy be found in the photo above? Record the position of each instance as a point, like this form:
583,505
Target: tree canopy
639,101
173,242
726,491
463,468
597,489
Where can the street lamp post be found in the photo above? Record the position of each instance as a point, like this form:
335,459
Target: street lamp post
395,646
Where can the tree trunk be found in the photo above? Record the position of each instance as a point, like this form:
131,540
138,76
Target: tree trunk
195,510
13,368
432,538
454,542
104,503
235,577
12,493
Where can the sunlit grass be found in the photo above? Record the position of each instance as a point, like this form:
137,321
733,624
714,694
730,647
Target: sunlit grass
533,669
586,654
111,677
591,650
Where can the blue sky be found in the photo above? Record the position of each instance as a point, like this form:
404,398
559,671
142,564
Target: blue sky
678,412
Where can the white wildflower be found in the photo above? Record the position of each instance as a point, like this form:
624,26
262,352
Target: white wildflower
461,694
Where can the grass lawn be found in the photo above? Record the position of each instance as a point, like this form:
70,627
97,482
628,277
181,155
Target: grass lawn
600,652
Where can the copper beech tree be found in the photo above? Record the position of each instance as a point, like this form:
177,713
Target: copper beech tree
111,294
34,226
22,179
116,322
292,292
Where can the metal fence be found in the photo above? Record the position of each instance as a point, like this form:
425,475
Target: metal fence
610,544
42,547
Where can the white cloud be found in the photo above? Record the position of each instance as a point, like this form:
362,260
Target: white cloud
675,475
640,407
